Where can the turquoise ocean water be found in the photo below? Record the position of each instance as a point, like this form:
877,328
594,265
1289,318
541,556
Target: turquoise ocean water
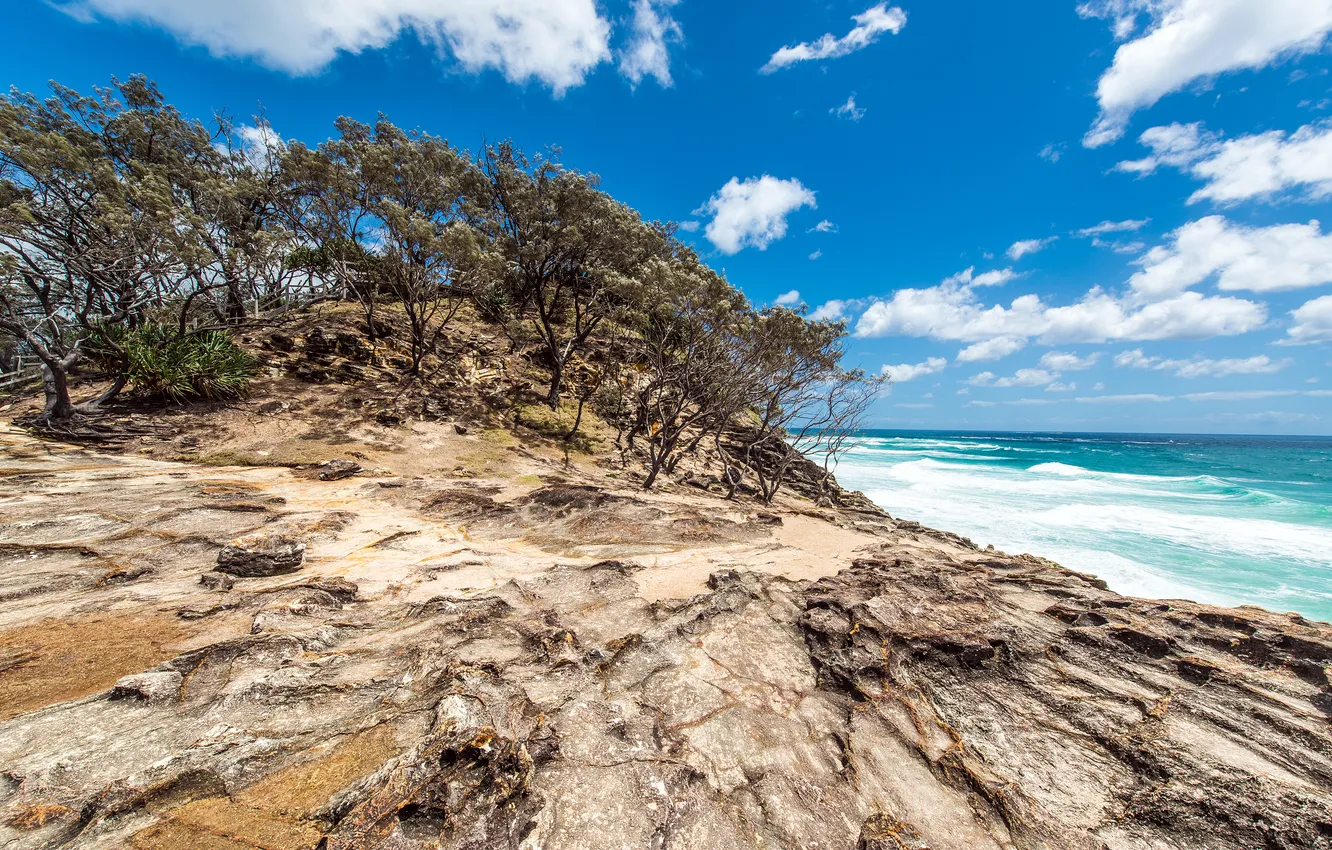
1228,520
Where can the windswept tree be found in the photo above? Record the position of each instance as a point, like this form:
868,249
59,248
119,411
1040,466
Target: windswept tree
686,350
88,232
569,256
417,186
330,207
799,384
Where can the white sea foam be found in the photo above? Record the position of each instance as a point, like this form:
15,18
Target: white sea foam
1192,536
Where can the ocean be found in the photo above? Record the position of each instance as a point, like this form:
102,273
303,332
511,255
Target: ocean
1222,519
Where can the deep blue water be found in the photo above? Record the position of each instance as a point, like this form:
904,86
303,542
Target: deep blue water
1225,519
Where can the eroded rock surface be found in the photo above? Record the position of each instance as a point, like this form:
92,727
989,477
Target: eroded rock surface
500,667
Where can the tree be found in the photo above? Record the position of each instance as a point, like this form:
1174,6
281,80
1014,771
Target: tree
87,233
330,207
416,188
569,255
793,362
686,350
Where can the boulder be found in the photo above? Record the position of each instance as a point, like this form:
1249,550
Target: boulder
214,580
154,687
338,469
263,556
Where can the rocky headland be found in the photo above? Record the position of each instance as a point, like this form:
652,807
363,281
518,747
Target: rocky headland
513,651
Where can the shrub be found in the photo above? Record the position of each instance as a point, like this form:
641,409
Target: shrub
158,362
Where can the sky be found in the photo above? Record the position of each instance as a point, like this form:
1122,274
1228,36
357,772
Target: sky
1048,215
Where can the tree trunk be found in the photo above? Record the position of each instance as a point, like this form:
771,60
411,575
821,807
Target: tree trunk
55,383
556,379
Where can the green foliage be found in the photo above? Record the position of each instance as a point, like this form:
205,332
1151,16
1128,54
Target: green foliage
159,362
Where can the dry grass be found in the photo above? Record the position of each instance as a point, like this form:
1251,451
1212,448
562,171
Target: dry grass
57,660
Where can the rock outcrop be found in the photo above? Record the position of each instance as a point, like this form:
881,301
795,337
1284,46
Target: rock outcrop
503,670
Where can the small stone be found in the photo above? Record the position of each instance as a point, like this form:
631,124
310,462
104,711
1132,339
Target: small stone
265,556
154,688
338,469
214,580
460,430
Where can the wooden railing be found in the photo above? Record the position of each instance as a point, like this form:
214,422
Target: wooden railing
25,369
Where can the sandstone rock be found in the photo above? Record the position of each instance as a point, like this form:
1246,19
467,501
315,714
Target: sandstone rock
154,688
263,556
214,580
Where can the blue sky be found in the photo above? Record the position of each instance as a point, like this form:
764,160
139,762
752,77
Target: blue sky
1105,215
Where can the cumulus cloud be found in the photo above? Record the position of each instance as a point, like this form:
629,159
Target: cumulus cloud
1022,378
870,24
1264,165
557,42
1020,249
991,349
815,255
689,226
789,299
752,213
1259,259
1060,361
648,52
848,110
1313,322
994,277
832,310
1200,367
904,372
952,311
824,226
1190,40
1061,387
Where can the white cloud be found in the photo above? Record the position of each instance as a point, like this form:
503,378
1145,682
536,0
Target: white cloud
648,52
557,42
1061,387
1200,367
1018,250
816,255
991,349
834,310
1022,378
1017,402
994,277
952,311
1259,259
1060,361
904,372
1313,322
789,299
1264,165
1134,398
848,109
1131,225
870,24
1051,152
1189,40
689,226
824,226
1240,395
752,213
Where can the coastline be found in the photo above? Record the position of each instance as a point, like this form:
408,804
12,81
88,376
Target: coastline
542,649
1157,516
